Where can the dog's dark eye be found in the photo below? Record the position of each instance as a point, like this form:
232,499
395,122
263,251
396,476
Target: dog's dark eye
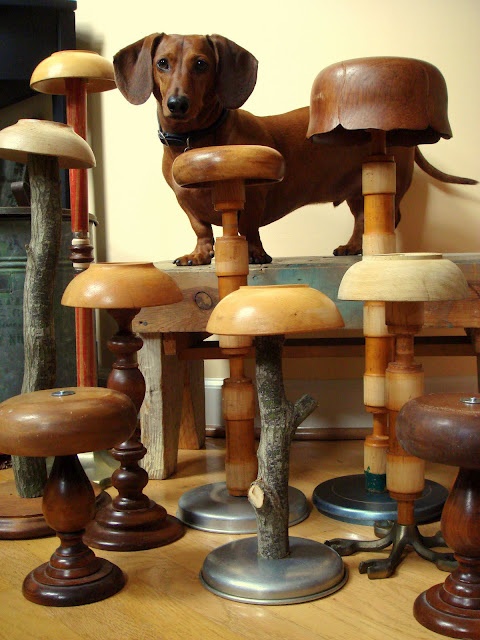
201,65
162,64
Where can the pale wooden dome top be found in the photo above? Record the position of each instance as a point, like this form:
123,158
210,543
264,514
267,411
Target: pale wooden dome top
403,277
46,138
51,74
121,285
274,310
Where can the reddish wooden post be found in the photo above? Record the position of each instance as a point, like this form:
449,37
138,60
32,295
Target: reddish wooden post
74,74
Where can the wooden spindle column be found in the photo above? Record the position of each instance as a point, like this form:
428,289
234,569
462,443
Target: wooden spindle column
132,521
238,395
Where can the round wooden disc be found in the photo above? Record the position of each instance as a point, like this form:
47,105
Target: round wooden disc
59,422
22,518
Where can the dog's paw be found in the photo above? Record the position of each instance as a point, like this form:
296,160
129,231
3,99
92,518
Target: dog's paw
347,250
194,259
259,257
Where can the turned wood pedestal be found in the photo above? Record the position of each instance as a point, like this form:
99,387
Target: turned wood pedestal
62,423
445,428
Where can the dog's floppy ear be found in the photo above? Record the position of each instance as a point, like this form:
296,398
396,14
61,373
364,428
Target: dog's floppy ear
236,71
133,68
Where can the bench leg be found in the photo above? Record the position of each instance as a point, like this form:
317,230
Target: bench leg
161,411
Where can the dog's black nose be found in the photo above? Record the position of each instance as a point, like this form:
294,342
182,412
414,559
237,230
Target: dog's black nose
178,105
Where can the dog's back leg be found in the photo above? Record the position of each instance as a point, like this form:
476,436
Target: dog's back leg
354,245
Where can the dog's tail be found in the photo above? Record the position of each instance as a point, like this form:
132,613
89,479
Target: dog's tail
432,171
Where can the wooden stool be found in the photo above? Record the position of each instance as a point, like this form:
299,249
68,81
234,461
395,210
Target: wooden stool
44,147
404,281
62,423
227,171
445,428
382,102
271,568
74,74
131,522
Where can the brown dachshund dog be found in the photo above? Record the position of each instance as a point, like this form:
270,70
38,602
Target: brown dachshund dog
199,83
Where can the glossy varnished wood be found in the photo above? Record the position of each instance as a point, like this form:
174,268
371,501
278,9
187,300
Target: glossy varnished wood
446,428
163,597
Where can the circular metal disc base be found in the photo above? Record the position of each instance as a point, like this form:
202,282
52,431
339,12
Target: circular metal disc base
211,508
236,572
346,499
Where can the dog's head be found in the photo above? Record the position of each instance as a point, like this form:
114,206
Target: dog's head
186,74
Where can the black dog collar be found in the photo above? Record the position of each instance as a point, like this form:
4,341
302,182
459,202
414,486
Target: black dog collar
186,139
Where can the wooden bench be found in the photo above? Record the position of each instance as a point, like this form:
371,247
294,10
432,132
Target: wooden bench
175,348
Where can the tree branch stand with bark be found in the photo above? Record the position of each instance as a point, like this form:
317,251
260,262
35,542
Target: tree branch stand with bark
273,568
44,147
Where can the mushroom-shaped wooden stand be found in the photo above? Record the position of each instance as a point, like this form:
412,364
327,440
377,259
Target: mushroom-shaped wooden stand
62,423
74,74
227,171
132,521
383,102
273,568
44,147
445,428
404,282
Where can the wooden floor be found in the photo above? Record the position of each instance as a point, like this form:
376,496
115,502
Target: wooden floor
164,600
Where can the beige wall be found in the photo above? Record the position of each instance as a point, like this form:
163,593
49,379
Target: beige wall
293,42
138,214
139,218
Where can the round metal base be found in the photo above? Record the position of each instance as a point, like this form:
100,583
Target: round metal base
311,571
346,499
211,508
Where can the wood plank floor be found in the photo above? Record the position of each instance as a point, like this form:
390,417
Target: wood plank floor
164,600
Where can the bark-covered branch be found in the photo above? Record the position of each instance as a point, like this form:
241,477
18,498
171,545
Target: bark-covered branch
38,313
279,419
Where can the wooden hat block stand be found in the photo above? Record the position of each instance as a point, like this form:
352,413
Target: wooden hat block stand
227,171
404,281
382,102
272,568
75,74
131,522
62,423
445,428
44,147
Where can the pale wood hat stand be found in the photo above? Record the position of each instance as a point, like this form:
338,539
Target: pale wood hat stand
452,422
132,521
227,171
404,282
74,74
272,568
62,423
382,102
44,147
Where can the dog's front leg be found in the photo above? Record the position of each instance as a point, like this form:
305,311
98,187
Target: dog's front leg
203,252
249,223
